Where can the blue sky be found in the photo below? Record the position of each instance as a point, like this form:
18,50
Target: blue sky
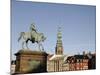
77,21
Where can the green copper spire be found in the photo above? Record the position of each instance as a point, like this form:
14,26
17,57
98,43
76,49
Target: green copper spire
59,47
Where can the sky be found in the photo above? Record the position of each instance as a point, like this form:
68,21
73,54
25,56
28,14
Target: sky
78,23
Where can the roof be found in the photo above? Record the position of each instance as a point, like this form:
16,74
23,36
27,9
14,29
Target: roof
49,56
57,57
75,57
81,56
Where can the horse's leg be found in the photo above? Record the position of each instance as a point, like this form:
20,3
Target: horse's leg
23,45
24,40
42,47
39,46
27,44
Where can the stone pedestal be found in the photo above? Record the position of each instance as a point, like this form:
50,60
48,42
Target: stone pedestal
28,61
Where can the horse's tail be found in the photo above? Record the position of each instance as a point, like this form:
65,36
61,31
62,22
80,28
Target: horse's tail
21,34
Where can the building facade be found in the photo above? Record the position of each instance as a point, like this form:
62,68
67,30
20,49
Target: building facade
78,62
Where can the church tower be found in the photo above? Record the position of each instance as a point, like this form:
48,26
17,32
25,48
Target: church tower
59,47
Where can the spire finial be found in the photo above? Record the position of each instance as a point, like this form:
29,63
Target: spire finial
59,34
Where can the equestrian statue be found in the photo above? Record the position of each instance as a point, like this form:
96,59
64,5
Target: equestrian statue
33,36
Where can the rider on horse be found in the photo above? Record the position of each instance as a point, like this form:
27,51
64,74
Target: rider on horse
33,36
33,31
32,28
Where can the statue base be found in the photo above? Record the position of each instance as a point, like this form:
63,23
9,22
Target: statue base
28,61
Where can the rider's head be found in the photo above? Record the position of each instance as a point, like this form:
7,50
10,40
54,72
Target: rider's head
32,27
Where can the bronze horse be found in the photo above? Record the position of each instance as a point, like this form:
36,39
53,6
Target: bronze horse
32,36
